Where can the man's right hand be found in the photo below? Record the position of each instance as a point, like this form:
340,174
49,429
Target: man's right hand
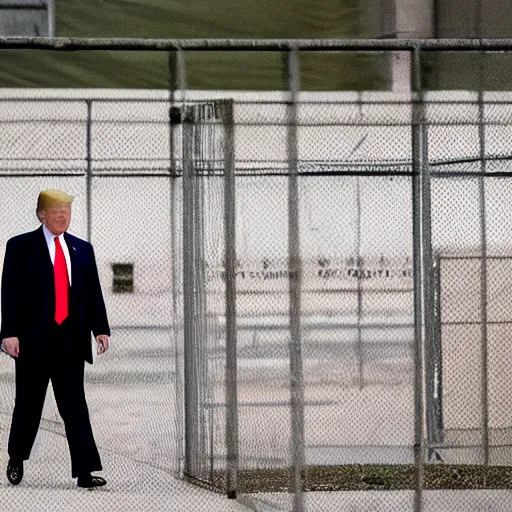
11,346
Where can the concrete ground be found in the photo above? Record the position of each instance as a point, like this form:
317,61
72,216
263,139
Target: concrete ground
386,501
131,485
135,413
134,419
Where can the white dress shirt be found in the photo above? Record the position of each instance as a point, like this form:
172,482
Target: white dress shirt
50,241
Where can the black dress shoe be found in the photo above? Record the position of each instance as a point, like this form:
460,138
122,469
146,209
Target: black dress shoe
14,471
89,481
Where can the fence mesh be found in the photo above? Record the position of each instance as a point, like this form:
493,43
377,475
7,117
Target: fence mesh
151,180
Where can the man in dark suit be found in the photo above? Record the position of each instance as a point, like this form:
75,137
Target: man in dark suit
51,301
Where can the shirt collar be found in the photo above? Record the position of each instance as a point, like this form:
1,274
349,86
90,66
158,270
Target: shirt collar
50,237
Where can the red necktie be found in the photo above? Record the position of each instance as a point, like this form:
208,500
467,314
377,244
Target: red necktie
60,271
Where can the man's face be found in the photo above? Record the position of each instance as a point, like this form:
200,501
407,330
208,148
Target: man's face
56,218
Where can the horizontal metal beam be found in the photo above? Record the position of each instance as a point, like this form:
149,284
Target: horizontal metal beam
273,102
269,45
23,7
117,173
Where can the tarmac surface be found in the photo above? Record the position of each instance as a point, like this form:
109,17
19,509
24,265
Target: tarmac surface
135,410
131,486
134,418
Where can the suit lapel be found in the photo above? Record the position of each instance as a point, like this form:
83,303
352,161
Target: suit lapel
43,268
42,247
75,257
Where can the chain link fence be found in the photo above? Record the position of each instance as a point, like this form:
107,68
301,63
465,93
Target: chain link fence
309,292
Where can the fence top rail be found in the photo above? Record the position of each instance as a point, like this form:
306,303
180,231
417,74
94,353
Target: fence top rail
272,45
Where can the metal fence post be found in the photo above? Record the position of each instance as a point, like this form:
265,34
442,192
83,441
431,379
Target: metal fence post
295,282
231,335
175,113
434,367
199,288
190,388
51,18
420,221
438,351
483,267
88,192
190,384
359,264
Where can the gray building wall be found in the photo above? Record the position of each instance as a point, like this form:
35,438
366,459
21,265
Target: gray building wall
380,19
445,19
24,18
471,19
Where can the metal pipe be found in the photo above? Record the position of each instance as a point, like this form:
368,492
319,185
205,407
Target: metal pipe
433,366
190,384
113,173
271,98
231,323
200,304
174,125
483,270
359,306
88,193
295,284
428,281
191,371
28,6
418,222
359,263
51,18
190,390
439,411
271,45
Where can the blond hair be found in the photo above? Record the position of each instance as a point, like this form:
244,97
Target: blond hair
49,198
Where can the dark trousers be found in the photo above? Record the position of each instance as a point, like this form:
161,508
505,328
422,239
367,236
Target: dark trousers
63,365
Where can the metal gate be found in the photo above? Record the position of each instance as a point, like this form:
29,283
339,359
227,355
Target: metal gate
208,285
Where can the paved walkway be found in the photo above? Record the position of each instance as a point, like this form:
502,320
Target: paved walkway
132,486
386,501
134,411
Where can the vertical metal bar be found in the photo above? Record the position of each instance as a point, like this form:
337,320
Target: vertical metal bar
231,338
483,242
439,354
295,284
483,268
174,125
211,376
434,366
198,343
190,390
210,366
418,224
191,371
432,339
191,395
359,263
181,83
88,193
478,20
200,302
50,9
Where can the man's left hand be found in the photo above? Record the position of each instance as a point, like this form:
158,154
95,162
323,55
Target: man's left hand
102,340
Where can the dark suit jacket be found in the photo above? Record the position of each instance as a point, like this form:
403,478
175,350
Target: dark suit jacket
28,294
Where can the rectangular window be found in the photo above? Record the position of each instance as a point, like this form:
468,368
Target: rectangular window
122,277
27,18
